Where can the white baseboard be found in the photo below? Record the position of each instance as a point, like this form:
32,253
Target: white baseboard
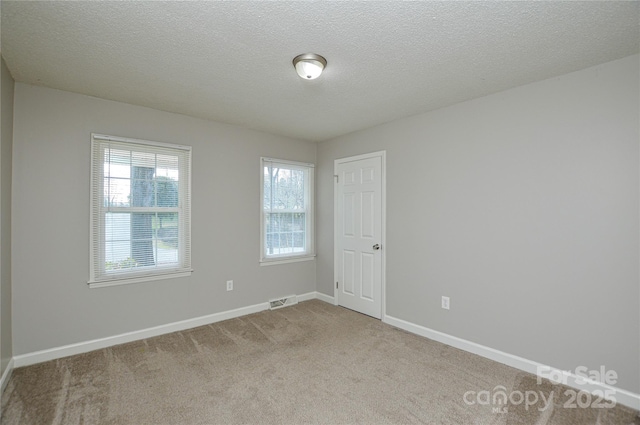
315,296
96,344
6,375
324,297
306,297
621,396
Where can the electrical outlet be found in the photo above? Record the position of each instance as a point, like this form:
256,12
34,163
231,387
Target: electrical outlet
445,303
229,285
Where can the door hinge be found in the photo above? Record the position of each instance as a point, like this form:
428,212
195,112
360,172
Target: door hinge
336,285
337,178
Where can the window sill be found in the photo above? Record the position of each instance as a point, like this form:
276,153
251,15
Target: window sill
129,280
275,261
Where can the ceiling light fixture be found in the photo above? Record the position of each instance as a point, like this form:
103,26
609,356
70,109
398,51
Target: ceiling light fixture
309,65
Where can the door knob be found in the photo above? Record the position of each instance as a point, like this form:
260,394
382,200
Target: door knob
376,246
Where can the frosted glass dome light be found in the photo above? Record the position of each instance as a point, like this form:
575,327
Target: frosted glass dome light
309,65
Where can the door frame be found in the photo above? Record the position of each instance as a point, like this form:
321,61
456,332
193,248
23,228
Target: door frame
383,218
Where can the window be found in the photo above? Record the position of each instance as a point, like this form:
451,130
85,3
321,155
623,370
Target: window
140,210
287,211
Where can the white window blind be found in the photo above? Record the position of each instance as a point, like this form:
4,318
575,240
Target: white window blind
140,210
287,210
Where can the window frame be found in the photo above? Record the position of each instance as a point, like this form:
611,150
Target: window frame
98,277
309,253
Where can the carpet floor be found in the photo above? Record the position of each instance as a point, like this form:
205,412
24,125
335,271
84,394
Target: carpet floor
312,363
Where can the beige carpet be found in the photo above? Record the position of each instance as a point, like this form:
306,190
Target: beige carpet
312,363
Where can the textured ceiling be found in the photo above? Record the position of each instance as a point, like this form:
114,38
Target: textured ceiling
231,61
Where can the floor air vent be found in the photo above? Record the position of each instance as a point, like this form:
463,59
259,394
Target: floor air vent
282,302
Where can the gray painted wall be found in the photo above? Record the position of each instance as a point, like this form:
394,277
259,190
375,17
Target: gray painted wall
6,141
523,208
52,305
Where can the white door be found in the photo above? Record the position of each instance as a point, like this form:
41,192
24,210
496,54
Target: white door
359,247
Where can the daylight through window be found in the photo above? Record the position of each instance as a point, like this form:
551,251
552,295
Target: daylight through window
140,211
287,212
